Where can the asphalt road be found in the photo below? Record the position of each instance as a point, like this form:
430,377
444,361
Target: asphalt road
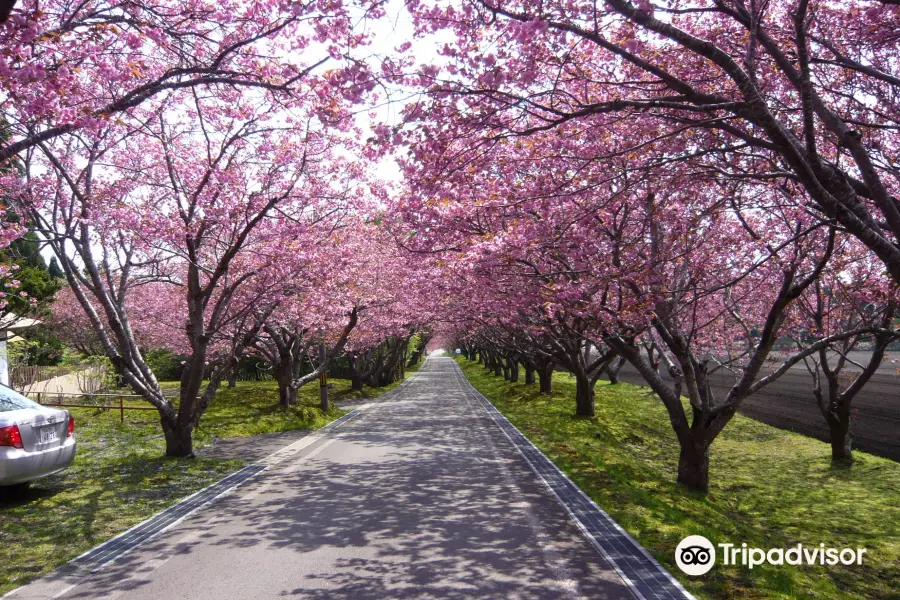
790,404
419,496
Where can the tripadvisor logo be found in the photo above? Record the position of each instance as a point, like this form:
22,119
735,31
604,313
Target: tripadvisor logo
696,555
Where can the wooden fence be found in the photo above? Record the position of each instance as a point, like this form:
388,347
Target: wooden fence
107,402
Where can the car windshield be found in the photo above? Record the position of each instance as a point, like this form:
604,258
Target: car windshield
13,400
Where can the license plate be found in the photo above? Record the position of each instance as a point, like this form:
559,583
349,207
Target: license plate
48,434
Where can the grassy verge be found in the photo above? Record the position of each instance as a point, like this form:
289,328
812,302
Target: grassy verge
120,476
770,488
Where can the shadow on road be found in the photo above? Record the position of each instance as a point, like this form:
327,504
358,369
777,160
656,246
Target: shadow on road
418,498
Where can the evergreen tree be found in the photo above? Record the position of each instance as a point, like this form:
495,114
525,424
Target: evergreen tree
55,271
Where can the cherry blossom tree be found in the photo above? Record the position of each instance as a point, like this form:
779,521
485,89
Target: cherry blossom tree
852,295
200,198
614,258
155,310
516,345
287,347
397,293
803,93
72,66
335,279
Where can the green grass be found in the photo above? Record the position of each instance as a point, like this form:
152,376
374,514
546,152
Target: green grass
120,476
770,488
252,408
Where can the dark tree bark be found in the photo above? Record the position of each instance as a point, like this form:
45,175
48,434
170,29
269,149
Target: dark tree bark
6,7
841,442
489,360
233,370
584,395
835,403
384,363
179,438
529,374
693,466
285,376
513,370
545,377
356,382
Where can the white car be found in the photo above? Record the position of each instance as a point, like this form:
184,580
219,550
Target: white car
35,440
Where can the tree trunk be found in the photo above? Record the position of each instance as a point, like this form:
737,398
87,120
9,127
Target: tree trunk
545,375
614,368
287,395
507,375
234,368
513,371
529,375
498,369
284,375
191,380
584,396
693,466
324,402
179,439
836,411
356,381
841,443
